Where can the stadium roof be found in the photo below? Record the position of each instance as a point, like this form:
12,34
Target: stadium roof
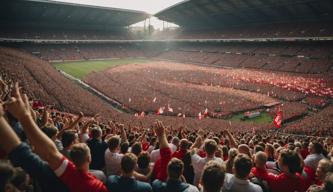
66,14
224,13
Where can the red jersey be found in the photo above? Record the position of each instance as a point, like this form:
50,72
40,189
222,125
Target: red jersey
78,181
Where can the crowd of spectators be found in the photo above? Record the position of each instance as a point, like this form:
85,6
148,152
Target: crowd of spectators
280,30
45,150
84,52
285,57
148,88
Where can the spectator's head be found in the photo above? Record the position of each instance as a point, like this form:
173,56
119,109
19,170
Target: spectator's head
124,147
315,148
128,164
243,148
136,148
213,177
153,141
289,161
328,183
175,141
269,150
242,166
175,169
114,143
80,155
143,160
210,147
323,168
69,138
7,174
260,159
233,152
96,133
183,145
51,132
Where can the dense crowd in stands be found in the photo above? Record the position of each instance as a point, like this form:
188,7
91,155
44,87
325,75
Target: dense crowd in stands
285,57
45,150
147,87
60,34
278,57
277,30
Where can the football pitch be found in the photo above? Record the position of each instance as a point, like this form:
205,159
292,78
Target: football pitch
80,69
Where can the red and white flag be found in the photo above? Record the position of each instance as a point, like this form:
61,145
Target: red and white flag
200,116
278,119
160,111
142,114
206,112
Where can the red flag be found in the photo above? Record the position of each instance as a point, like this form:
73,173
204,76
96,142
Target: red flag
278,119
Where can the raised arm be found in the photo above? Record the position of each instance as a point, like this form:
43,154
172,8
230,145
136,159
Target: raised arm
44,147
8,138
231,139
161,136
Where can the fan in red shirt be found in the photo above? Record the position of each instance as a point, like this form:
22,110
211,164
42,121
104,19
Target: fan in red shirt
183,146
289,180
161,165
75,174
76,177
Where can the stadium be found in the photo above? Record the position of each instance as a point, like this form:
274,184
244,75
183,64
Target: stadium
238,97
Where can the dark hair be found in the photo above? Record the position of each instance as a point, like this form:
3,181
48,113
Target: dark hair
210,146
50,131
67,138
318,148
113,142
79,153
136,148
128,162
243,165
175,168
291,160
213,177
143,160
96,132
7,173
124,147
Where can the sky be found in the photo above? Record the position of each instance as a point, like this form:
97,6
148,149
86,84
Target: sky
149,6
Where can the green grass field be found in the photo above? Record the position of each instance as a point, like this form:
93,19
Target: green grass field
263,118
80,69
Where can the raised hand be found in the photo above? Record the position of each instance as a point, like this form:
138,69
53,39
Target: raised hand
18,105
159,128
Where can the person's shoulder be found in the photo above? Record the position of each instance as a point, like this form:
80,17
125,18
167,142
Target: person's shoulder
255,187
158,185
144,186
192,188
113,179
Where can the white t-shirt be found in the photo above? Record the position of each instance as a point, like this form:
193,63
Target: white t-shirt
312,160
198,164
112,163
233,184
